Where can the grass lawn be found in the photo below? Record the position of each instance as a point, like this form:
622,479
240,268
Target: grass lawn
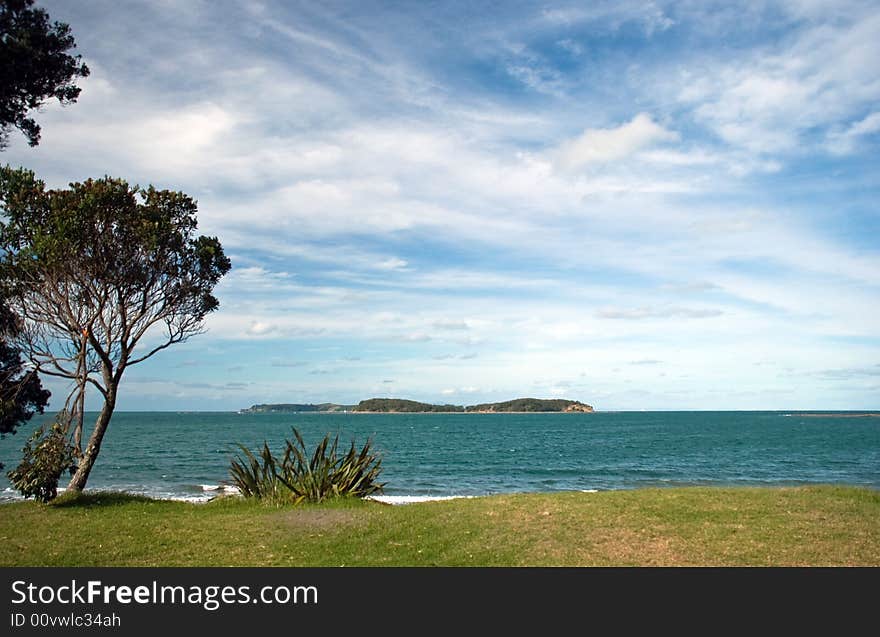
818,526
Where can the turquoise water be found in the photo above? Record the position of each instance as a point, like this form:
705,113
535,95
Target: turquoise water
186,455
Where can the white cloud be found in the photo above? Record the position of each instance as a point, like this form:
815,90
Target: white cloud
571,46
261,328
868,126
540,79
449,324
597,145
847,141
695,157
611,16
773,99
392,263
639,313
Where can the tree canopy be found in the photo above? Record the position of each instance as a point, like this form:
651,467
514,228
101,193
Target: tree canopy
21,393
34,66
103,276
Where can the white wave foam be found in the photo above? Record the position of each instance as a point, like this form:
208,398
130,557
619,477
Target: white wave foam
412,499
193,499
589,490
223,488
209,492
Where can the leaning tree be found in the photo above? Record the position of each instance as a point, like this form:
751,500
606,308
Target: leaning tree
103,275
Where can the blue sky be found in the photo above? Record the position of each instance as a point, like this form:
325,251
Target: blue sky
640,205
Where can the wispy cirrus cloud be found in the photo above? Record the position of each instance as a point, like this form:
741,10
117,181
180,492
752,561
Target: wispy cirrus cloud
462,199
844,142
774,99
640,313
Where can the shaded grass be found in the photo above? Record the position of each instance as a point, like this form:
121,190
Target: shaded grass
695,526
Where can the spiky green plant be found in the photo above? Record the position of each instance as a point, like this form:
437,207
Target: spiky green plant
304,477
255,477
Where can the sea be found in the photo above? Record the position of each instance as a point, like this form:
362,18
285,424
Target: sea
186,455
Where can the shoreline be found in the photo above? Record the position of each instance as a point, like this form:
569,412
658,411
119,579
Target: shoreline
399,499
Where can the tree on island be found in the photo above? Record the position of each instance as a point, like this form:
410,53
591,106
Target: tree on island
103,276
34,66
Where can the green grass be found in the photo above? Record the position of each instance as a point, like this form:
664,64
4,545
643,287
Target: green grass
693,526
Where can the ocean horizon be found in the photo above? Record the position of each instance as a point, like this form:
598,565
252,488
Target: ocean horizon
185,455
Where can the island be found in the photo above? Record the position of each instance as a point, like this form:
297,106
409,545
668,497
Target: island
402,406
399,405
531,405
292,408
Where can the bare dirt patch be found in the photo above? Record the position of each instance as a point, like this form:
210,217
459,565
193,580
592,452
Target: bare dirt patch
319,519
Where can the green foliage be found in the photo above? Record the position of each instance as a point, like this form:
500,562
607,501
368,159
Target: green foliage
34,66
46,455
21,393
300,476
102,238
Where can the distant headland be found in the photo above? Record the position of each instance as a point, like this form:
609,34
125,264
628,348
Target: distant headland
835,414
400,406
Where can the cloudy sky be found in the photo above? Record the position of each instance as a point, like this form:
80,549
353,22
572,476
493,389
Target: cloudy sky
640,205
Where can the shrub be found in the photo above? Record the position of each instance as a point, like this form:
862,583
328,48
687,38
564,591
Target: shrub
303,477
46,455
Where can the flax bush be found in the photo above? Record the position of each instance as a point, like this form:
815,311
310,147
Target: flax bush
299,476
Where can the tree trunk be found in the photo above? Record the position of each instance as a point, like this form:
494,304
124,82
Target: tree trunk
79,414
80,405
78,482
